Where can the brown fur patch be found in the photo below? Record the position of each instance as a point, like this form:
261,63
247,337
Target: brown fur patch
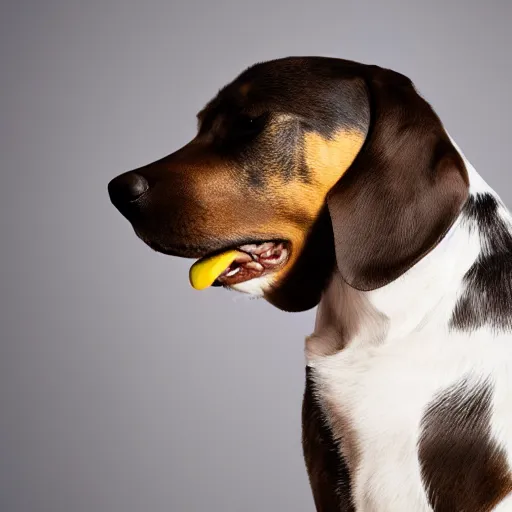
463,468
328,472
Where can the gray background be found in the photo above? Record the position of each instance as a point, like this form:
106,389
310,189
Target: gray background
121,388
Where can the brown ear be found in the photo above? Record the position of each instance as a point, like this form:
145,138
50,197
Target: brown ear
403,191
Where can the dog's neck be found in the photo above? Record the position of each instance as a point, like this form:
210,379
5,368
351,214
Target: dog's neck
421,301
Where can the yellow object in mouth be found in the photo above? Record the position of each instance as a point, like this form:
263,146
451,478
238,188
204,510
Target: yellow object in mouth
204,271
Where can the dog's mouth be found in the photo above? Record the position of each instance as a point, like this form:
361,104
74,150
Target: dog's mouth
234,266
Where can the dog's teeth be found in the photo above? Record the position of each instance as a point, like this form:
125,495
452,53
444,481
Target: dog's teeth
254,265
267,254
248,247
233,272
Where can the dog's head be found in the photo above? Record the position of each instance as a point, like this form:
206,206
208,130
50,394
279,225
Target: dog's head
297,164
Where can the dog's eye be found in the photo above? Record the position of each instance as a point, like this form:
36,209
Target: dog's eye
244,125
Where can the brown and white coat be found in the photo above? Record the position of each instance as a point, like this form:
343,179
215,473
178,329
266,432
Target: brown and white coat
338,186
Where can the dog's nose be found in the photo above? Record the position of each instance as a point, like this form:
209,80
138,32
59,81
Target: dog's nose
126,188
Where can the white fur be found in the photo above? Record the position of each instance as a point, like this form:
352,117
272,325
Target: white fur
402,353
255,287
505,505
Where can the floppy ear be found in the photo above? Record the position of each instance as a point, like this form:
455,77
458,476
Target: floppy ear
402,193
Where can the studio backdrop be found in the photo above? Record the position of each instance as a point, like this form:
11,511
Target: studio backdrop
122,389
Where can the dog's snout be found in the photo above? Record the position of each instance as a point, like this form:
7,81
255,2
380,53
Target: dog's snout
126,188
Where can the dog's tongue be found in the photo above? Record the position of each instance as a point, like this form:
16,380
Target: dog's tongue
204,271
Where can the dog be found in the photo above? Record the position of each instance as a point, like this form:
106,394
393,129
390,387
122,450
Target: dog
322,182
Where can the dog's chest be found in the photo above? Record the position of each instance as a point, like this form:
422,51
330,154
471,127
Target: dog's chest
375,398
